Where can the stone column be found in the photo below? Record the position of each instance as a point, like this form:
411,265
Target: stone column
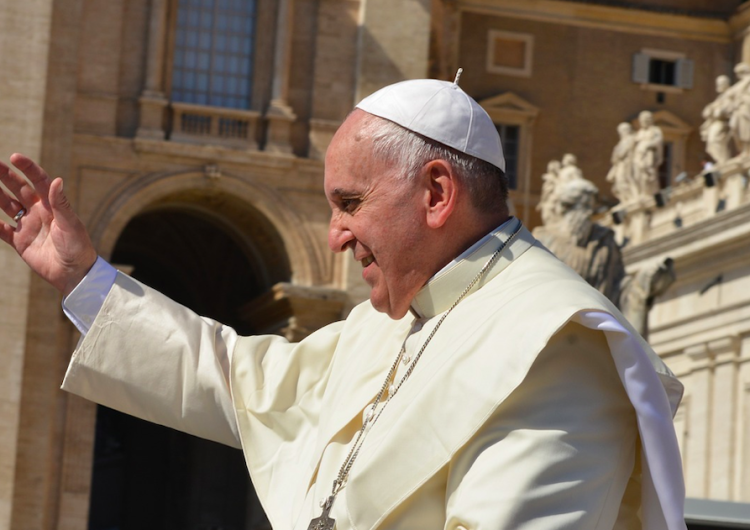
280,115
394,43
334,78
153,101
699,445
721,456
24,50
743,480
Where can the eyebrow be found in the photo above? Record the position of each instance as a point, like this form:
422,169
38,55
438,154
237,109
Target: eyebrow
341,192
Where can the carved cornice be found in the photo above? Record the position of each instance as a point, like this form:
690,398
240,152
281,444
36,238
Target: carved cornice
498,107
740,21
611,18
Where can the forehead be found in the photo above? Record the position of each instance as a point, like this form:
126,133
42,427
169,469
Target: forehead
350,159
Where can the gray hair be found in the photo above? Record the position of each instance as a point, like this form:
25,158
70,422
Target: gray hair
487,184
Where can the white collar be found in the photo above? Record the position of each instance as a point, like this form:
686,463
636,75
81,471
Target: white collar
446,286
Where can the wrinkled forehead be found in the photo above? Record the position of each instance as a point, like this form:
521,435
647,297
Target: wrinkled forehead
352,136
350,159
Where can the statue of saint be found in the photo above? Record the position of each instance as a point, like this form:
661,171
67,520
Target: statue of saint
739,122
648,155
621,175
715,131
592,251
549,183
588,248
570,170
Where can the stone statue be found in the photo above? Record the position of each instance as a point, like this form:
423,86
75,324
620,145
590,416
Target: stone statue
588,248
648,155
621,175
592,251
549,183
570,170
639,291
715,131
739,122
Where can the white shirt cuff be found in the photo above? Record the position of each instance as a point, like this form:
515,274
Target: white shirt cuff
83,304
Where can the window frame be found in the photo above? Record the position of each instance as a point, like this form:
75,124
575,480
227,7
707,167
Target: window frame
684,70
511,109
211,58
263,45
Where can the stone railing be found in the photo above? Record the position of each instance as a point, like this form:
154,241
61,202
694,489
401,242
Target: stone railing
200,124
690,202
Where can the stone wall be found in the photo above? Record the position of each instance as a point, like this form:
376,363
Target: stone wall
24,46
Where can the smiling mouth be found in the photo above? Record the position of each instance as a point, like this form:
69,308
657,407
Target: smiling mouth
366,261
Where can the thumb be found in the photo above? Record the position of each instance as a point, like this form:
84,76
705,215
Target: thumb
62,210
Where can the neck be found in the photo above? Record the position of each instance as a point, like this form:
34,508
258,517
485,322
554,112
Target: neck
469,231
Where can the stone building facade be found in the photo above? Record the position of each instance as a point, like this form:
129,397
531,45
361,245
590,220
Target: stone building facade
212,191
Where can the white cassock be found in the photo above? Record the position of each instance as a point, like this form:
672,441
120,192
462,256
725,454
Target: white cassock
535,406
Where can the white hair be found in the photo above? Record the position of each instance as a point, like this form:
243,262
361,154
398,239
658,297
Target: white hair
486,183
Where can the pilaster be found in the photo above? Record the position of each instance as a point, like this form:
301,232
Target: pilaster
153,101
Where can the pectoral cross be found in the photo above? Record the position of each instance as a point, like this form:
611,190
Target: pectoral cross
324,522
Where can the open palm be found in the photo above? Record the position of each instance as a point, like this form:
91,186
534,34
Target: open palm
49,236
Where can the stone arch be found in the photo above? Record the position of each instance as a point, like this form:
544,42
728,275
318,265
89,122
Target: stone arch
230,200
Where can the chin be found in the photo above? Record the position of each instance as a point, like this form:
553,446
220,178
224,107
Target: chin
383,306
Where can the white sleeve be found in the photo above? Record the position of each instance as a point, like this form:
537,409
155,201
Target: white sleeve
83,304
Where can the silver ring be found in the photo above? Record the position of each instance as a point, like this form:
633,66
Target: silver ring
20,214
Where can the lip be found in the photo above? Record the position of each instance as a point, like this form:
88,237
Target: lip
366,261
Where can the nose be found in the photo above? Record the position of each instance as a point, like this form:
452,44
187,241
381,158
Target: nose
339,235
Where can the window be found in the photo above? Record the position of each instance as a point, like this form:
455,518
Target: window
509,53
657,69
514,119
509,136
213,53
661,72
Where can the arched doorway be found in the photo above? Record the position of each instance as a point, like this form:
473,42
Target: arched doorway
149,477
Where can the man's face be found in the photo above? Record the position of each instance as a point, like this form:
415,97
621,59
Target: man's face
376,214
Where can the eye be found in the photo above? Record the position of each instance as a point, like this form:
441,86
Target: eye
349,205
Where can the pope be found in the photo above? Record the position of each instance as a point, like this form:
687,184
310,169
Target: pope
483,385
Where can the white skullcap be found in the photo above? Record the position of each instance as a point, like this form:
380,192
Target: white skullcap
441,111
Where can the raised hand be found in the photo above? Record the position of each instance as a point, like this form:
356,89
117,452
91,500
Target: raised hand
48,235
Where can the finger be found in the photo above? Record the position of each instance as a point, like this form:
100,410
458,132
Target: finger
6,233
38,177
65,216
17,186
9,205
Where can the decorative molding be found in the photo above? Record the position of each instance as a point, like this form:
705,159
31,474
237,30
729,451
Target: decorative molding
698,352
606,17
739,23
212,172
730,344
280,117
294,311
510,108
526,40
671,122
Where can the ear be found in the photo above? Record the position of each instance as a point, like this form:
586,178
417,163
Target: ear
442,192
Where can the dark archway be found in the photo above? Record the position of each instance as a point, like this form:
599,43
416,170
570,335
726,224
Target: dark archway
150,477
